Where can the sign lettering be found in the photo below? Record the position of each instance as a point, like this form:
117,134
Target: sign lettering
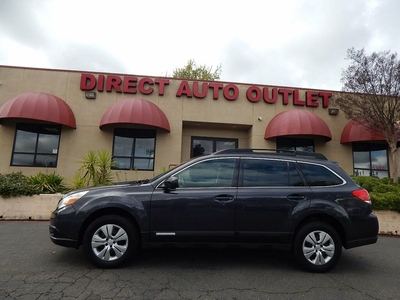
200,90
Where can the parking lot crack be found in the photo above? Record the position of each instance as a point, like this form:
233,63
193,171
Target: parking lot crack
347,285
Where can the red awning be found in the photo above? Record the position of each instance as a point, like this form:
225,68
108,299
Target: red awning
38,106
135,111
356,132
297,122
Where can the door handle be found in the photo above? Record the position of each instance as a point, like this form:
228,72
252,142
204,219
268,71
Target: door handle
224,198
296,197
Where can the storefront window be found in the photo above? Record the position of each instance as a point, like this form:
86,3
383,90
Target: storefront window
370,160
133,149
204,146
295,144
36,145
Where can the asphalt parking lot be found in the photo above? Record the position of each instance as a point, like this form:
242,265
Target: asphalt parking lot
32,267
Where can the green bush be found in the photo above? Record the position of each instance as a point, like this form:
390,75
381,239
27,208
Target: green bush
384,195
385,201
16,184
47,183
368,183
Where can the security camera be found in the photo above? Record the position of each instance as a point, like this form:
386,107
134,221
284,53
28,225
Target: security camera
259,118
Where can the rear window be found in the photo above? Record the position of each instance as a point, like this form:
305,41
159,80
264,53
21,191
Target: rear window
319,175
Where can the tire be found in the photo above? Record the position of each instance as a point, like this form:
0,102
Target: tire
110,241
317,247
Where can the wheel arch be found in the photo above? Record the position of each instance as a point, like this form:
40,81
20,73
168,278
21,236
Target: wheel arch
321,217
108,211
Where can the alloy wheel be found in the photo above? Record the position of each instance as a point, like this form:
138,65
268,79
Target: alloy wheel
318,247
109,242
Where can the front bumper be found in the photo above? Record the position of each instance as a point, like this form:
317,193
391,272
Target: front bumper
64,228
56,238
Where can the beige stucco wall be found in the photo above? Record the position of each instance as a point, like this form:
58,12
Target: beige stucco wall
37,207
187,117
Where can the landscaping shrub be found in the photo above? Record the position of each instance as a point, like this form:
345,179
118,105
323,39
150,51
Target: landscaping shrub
47,183
384,195
16,184
385,201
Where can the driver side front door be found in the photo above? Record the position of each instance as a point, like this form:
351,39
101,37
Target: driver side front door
201,209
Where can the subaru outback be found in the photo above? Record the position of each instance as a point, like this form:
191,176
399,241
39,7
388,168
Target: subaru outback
295,201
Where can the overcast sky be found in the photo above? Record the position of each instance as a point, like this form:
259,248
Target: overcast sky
286,43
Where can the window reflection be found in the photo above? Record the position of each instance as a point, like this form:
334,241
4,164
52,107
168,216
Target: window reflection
23,160
48,143
295,144
257,172
134,149
25,141
204,145
379,160
210,173
144,147
123,146
319,175
362,159
36,145
370,160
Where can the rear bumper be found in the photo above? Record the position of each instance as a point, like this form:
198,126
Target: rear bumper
361,242
364,232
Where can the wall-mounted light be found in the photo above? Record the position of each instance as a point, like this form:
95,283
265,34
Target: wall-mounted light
333,111
90,95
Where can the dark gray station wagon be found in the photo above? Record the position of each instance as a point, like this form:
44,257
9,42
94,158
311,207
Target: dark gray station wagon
297,201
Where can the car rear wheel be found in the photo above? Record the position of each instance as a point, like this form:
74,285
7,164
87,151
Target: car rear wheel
110,241
317,247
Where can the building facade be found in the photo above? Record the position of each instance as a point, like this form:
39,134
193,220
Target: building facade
51,118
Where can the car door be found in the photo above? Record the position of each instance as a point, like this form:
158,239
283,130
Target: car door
270,194
202,208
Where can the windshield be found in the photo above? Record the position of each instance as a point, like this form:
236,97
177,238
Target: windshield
169,171
162,174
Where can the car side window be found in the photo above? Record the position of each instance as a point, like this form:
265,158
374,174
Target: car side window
209,173
318,175
262,172
294,176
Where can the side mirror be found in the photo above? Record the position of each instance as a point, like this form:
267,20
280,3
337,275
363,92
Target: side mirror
171,183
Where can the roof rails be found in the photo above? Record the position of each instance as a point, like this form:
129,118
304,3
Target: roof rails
285,152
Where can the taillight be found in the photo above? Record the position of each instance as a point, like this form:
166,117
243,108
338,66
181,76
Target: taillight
362,194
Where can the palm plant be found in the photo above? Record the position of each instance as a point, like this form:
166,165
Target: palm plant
95,169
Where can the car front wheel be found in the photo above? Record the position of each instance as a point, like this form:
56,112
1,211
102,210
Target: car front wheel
110,241
317,247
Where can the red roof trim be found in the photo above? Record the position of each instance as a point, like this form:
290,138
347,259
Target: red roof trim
297,122
135,111
38,106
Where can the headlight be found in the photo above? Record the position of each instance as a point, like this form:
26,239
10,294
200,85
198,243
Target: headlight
69,199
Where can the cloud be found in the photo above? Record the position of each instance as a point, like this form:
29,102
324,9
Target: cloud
287,43
26,29
22,23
